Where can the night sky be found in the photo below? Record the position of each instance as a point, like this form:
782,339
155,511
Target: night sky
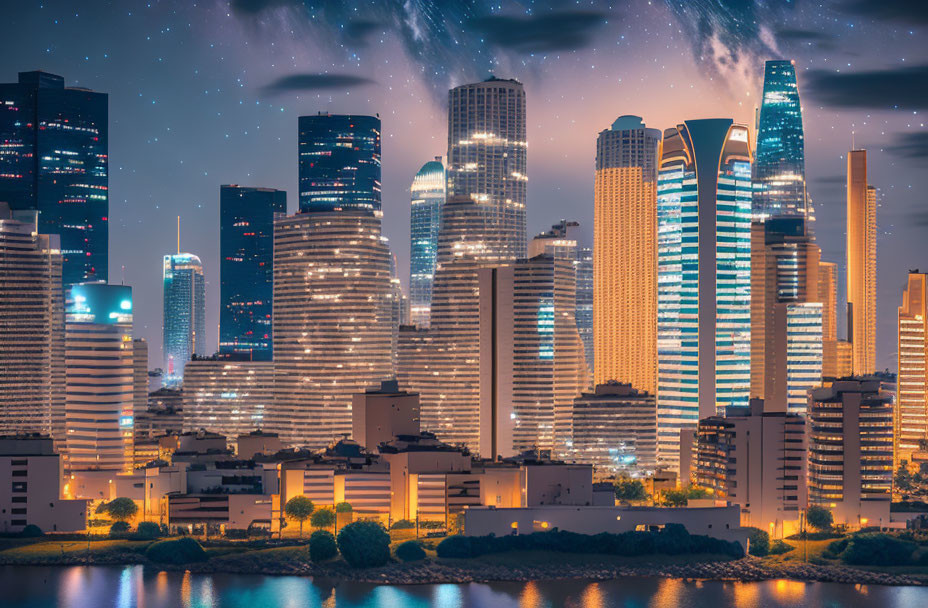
208,93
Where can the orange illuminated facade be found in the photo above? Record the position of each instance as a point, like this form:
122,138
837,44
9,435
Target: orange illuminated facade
861,264
911,412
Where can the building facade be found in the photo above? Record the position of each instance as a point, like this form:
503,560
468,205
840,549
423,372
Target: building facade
246,269
911,414
55,161
625,254
861,264
184,329
428,196
704,276
339,162
227,397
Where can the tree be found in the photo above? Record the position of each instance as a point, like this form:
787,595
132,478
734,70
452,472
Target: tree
903,477
299,508
344,507
322,518
630,489
819,518
122,509
759,541
675,497
364,544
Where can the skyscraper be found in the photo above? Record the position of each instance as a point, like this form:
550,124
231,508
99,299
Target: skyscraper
227,396
99,405
428,196
184,330
55,161
704,276
911,412
332,321
339,162
246,269
487,158
779,158
861,264
31,327
625,254
828,296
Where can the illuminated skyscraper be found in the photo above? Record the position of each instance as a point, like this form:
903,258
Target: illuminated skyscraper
911,412
828,296
332,321
31,327
487,158
779,159
861,264
184,329
55,161
246,269
625,254
227,396
99,406
428,196
339,162
704,276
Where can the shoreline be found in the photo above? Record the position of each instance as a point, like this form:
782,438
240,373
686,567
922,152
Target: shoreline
453,571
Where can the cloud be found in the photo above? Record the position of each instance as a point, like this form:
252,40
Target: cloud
830,180
315,82
896,88
555,31
253,7
910,145
358,31
800,36
905,11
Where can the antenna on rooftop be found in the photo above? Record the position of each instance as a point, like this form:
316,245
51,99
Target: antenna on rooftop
178,234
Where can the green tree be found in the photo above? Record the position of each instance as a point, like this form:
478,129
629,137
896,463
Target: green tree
630,489
299,508
697,492
122,509
759,541
819,518
674,497
323,518
903,477
344,507
364,544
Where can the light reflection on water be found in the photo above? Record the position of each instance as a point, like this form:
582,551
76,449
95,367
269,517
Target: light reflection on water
135,587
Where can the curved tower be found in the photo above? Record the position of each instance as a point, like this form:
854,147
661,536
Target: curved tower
428,196
184,330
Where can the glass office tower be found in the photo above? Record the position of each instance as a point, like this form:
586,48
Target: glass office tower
246,269
428,195
779,160
704,276
339,162
54,160
184,314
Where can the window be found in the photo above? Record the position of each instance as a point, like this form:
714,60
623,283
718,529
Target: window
22,473
19,486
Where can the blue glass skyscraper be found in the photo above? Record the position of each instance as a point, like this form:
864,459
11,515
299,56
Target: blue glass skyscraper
428,196
184,332
246,269
779,160
54,160
339,163
704,276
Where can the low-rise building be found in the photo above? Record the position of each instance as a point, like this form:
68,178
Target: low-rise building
380,414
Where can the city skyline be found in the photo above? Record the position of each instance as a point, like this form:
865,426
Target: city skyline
228,63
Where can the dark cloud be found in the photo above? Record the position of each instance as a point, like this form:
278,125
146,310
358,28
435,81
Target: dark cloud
315,82
919,218
253,7
556,31
357,32
821,40
910,145
897,88
905,11
830,180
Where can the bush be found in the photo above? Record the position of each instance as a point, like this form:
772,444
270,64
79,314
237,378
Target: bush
322,546
31,531
779,547
759,542
119,529
364,544
455,546
121,509
819,518
835,548
878,550
147,530
181,551
410,551
630,489
403,524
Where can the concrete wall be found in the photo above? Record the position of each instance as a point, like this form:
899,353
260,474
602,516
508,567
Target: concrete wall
29,494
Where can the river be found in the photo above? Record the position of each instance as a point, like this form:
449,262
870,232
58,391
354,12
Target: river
137,587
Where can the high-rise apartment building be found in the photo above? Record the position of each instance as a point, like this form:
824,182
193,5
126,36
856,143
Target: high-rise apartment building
585,298
428,196
55,160
850,432
911,413
779,157
227,396
487,158
31,327
786,313
99,353
704,276
625,254
339,162
332,321
184,324
139,376
246,269
861,264
828,296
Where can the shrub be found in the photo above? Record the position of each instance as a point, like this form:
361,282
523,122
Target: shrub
878,550
119,529
630,489
759,542
364,544
122,509
410,551
455,546
31,531
779,547
322,546
181,551
147,530
835,548
403,524
819,518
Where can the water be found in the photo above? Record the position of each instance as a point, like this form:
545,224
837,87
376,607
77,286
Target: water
136,587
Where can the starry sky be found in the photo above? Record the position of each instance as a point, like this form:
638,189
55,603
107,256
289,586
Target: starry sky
207,93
